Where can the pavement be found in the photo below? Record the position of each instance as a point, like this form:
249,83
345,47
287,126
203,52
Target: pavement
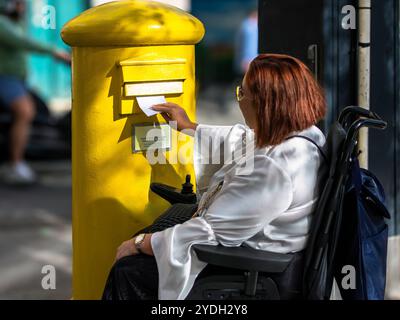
35,231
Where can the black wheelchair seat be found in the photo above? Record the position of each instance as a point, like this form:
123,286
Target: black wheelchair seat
246,273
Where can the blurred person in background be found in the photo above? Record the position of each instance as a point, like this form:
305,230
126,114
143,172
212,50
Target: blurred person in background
14,95
246,46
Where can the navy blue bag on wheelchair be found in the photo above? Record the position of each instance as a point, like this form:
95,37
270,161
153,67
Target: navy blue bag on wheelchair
363,238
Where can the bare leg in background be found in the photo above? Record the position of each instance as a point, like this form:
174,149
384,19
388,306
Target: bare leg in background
23,110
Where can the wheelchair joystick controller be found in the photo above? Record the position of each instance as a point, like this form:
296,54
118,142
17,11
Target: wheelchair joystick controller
187,187
175,195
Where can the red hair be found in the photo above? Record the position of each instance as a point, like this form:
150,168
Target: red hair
287,97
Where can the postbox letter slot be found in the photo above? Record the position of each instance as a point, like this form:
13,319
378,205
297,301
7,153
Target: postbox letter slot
153,88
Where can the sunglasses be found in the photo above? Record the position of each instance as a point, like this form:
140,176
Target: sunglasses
239,93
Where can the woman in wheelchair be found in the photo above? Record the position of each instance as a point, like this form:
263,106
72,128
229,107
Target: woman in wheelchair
264,200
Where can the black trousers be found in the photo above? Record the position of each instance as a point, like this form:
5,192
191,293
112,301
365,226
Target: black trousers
132,278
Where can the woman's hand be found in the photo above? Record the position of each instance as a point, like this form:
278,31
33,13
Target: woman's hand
126,249
173,112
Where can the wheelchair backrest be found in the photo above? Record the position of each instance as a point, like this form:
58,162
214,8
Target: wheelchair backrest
320,247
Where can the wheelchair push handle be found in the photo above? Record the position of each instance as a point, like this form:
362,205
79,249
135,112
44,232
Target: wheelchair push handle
356,111
366,123
373,124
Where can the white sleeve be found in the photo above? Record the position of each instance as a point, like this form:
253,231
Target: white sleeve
178,265
241,209
211,144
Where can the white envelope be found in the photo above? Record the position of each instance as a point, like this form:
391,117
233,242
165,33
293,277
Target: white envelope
145,103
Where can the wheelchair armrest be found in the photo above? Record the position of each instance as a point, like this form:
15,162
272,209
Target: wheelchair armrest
173,195
243,258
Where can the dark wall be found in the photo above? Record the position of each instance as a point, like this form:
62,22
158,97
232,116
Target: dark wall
290,27
384,158
293,26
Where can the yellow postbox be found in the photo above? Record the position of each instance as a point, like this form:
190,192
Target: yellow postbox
121,51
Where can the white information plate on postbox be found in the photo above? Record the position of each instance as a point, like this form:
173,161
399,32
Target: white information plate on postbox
151,137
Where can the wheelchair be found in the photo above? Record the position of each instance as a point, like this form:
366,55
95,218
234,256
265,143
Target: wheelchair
265,275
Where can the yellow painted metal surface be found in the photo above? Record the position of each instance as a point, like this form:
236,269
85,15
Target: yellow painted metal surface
133,22
113,46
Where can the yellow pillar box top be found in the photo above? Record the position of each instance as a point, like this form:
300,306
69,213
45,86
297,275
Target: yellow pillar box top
133,23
